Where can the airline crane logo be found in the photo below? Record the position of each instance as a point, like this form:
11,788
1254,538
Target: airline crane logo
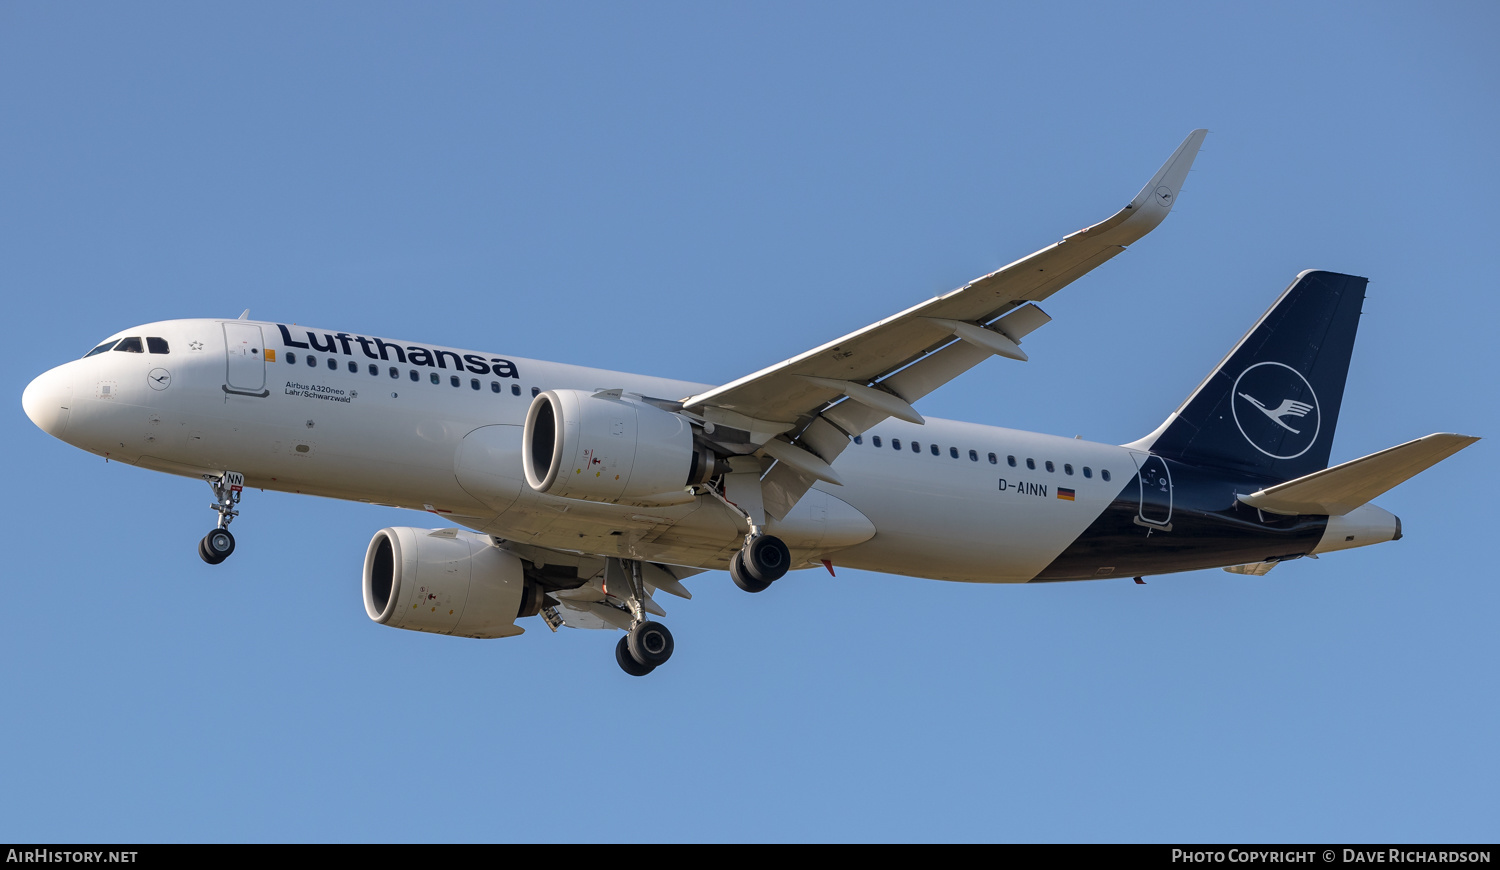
1276,410
1287,408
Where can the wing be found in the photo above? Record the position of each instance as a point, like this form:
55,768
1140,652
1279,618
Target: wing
802,412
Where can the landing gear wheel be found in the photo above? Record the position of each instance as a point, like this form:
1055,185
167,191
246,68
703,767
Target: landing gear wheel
627,663
650,644
742,579
766,559
216,546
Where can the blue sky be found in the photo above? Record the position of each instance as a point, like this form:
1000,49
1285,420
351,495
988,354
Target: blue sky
696,191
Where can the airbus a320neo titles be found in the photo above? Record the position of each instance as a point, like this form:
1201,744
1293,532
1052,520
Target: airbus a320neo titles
577,494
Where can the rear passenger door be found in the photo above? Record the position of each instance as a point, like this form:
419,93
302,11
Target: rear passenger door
1156,491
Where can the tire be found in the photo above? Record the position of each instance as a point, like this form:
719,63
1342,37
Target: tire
650,644
627,663
205,554
767,559
219,544
741,578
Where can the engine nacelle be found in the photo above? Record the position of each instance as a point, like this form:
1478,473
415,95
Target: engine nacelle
446,581
609,447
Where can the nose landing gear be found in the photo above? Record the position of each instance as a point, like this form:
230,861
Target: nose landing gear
219,543
216,546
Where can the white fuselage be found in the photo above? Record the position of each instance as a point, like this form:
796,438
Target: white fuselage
346,423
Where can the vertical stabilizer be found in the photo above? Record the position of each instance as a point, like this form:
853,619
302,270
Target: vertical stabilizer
1271,406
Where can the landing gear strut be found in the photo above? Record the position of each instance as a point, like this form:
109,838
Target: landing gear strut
219,543
647,645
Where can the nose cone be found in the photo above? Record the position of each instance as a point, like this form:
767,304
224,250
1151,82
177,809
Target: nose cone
47,400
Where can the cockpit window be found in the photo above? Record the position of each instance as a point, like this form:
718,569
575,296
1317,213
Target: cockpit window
101,348
130,345
157,345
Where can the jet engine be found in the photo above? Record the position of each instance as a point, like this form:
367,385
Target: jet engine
446,581
610,447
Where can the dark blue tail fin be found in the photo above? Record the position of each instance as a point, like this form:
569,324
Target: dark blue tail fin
1271,406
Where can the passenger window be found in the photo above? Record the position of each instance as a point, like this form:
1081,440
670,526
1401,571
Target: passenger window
415,376
473,383
130,345
1031,463
291,358
515,389
374,370
935,450
916,447
333,364
1104,473
535,391
353,367
859,439
312,361
394,373
895,443
1050,467
1088,472
875,440
973,456
1011,461
1067,469
156,345
953,452
101,348
993,460
453,380
494,386
433,376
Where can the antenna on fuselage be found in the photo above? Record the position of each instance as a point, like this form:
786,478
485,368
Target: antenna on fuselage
245,315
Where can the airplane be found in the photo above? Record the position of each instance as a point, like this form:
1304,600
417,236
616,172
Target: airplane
576,494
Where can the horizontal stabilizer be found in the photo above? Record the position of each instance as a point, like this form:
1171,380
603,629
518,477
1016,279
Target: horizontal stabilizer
1338,490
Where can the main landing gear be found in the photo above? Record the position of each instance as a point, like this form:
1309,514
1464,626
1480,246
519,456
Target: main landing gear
219,543
647,645
762,561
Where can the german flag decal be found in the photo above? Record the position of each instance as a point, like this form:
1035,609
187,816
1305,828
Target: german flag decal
1064,493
